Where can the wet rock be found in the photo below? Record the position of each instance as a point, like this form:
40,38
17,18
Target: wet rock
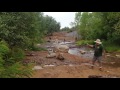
82,51
61,48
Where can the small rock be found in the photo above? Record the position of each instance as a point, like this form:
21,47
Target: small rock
91,51
48,65
37,68
82,52
70,65
117,56
51,55
107,71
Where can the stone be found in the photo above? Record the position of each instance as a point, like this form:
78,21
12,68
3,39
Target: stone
37,68
82,51
118,56
51,55
60,56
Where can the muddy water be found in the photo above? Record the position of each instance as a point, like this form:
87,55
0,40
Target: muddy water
75,50
112,59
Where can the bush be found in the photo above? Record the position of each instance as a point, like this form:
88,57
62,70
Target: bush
17,54
16,70
111,47
9,65
4,49
69,31
2,42
1,65
84,42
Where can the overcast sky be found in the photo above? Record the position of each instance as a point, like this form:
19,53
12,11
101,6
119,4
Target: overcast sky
65,18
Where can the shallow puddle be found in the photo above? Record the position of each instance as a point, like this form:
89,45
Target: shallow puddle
76,51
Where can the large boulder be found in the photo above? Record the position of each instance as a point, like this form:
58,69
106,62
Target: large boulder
61,48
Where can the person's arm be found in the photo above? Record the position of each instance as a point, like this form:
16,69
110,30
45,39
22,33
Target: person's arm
91,46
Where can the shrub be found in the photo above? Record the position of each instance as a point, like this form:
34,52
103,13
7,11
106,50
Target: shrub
4,49
17,54
16,70
111,47
84,42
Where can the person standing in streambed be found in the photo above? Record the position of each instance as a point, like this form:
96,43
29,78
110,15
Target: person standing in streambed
99,52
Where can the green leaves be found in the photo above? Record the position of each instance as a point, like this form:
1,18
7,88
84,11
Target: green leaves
50,25
18,31
10,66
16,70
3,48
103,25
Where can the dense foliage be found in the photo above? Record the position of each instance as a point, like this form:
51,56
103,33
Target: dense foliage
103,25
19,31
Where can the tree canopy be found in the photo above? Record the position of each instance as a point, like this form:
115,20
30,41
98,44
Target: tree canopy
103,25
18,31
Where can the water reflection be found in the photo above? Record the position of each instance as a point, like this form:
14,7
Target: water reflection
76,51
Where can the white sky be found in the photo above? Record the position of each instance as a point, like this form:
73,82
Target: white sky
65,18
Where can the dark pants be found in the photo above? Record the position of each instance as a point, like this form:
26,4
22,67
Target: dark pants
97,59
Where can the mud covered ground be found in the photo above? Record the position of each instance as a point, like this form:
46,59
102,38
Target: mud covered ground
72,67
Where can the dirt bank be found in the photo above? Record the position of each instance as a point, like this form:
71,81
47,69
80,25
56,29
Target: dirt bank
72,67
